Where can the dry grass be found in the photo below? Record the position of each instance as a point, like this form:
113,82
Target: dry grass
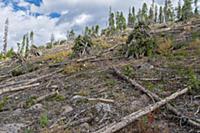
77,67
99,42
57,57
195,44
165,45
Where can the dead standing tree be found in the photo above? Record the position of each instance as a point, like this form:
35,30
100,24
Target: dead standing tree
5,39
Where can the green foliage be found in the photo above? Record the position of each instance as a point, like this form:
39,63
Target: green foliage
187,10
43,120
10,53
161,16
194,81
30,102
139,42
82,46
3,102
111,20
128,71
58,98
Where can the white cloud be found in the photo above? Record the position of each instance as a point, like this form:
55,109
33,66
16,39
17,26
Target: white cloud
20,23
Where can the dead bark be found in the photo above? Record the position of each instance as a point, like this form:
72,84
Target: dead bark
134,116
6,90
156,97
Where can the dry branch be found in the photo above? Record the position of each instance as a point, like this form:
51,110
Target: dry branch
134,116
156,97
6,90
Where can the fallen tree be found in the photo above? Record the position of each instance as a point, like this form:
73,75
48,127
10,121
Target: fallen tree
191,122
134,116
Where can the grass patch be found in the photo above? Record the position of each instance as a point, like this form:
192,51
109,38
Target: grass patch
128,71
3,102
77,67
58,57
31,101
164,45
43,120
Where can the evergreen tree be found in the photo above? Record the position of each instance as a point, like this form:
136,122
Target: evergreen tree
133,16
144,13
161,17
27,45
139,16
166,15
52,39
196,11
170,10
156,14
22,50
151,12
118,20
122,22
71,35
97,30
179,10
187,10
151,15
130,22
111,20
5,39
31,38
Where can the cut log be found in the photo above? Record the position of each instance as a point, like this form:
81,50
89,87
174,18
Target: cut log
6,90
156,97
144,111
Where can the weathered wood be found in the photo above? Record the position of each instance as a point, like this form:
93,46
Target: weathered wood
6,90
134,116
156,97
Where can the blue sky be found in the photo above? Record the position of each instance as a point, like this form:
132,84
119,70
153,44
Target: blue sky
45,17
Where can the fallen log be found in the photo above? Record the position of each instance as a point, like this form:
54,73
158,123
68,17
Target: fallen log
6,90
144,111
156,97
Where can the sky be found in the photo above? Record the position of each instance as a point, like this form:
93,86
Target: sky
46,17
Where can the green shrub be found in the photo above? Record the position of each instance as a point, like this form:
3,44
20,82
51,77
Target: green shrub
82,46
3,102
43,120
193,81
140,42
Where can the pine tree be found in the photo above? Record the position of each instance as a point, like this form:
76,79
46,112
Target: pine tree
144,13
117,19
71,35
130,23
196,11
31,38
161,17
122,21
179,10
156,14
97,30
151,12
111,20
133,16
166,15
170,10
52,39
27,45
22,50
5,39
187,10
151,15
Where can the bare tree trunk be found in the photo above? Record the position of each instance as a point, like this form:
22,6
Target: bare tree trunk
134,116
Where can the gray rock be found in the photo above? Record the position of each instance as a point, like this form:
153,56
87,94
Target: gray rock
67,109
37,107
12,128
146,66
103,107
